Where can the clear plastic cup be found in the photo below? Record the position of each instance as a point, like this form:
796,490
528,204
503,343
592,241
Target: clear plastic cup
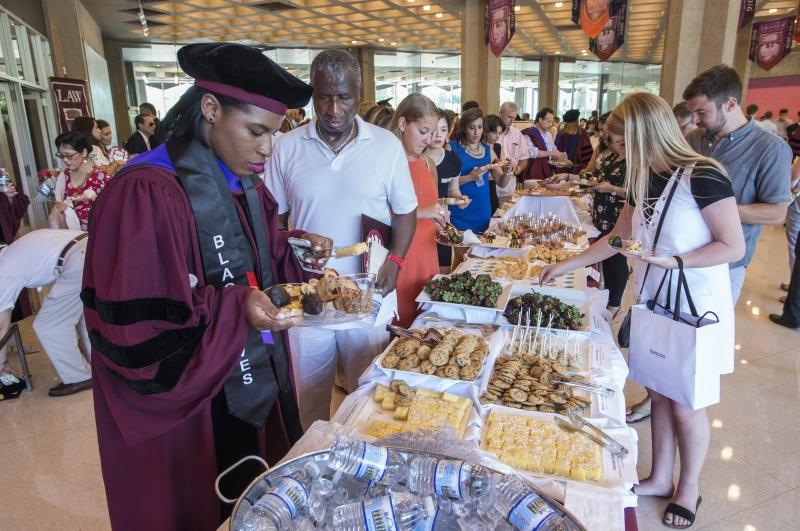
355,293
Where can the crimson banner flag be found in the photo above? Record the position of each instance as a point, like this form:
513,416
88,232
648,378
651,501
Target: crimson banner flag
591,15
747,10
70,99
500,24
613,35
797,24
771,41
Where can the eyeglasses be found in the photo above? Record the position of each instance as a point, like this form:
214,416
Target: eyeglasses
66,156
685,125
150,124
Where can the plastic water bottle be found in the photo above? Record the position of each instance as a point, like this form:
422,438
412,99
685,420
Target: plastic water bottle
366,461
284,501
446,518
5,180
524,509
393,512
449,478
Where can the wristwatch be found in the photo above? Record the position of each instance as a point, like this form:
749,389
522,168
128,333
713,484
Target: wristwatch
397,260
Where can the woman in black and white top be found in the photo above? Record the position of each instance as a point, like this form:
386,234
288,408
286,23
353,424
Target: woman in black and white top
448,169
701,227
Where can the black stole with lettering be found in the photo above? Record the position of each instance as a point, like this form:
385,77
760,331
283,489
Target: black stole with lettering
261,375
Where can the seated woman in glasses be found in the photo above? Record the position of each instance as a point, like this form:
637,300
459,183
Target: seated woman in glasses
79,184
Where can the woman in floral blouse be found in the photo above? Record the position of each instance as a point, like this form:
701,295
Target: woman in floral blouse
81,181
609,199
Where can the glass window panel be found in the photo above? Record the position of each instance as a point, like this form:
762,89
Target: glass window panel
34,45
591,85
15,44
519,82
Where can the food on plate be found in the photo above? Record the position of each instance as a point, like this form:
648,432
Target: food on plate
510,268
416,409
312,303
540,446
552,254
463,288
310,297
525,381
279,296
352,299
564,316
352,250
455,201
634,247
451,235
463,352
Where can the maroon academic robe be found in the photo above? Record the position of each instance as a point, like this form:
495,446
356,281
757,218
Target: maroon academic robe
11,214
158,450
538,168
578,148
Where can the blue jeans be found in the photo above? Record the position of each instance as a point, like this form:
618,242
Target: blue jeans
737,281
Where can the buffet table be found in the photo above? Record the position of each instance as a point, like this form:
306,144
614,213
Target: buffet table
603,501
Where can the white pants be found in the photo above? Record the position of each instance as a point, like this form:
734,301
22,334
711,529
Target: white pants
60,315
315,355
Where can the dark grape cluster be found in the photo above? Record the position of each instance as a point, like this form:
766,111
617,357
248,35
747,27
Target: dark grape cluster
565,316
463,288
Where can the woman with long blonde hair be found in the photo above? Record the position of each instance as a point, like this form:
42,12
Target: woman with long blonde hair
666,179
414,123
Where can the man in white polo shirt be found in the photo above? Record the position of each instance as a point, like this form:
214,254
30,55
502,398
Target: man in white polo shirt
39,258
514,149
326,174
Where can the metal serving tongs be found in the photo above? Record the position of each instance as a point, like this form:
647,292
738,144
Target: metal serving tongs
585,386
431,337
486,329
578,424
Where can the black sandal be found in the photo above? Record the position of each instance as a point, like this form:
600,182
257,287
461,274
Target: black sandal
678,510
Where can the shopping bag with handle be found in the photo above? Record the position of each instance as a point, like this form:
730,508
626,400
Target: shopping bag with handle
673,352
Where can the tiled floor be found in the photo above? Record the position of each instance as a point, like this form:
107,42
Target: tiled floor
751,481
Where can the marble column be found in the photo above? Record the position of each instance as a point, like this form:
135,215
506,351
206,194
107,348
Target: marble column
701,34
366,60
480,69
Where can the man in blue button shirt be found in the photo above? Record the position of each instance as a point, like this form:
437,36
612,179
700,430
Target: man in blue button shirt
757,162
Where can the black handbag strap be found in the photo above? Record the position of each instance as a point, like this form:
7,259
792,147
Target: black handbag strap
682,285
660,225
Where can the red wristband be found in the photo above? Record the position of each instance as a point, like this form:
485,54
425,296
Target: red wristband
397,260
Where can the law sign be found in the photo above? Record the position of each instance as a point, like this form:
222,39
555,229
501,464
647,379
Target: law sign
71,100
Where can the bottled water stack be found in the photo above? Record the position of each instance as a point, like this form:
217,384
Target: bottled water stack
450,478
524,509
284,501
393,512
366,461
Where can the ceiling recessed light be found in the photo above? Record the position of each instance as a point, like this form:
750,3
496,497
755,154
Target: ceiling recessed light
439,15
353,42
773,10
583,51
381,39
517,8
559,4
393,43
426,7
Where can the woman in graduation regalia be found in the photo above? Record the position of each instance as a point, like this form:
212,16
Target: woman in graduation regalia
183,240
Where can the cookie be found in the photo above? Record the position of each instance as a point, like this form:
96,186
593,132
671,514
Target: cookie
439,356
451,372
426,367
390,361
423,352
